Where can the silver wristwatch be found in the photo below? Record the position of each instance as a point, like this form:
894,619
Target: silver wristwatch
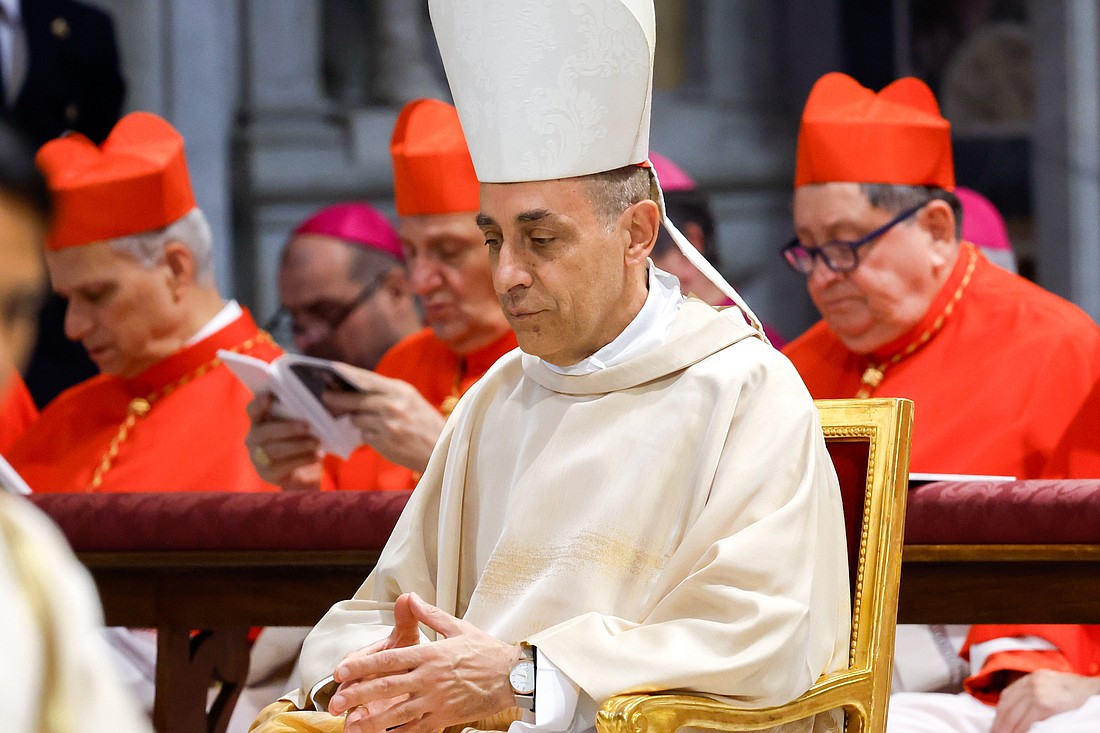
522,678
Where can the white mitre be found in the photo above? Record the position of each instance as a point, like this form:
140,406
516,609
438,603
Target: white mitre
549,89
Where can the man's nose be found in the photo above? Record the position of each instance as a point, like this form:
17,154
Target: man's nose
510,269
78,323
821,274
425,276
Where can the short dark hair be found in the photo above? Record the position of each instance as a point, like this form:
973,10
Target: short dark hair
688,207
366,264
614,191
20,179
895,199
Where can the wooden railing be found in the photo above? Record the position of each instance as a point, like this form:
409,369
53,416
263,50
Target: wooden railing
202,596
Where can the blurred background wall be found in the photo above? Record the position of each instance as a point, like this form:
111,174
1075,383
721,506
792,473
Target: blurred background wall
287,105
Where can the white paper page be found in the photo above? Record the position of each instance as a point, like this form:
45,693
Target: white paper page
254,373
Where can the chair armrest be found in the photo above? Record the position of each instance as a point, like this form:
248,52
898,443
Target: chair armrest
664,712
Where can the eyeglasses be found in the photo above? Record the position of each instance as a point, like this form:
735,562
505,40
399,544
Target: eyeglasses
325,314
839,255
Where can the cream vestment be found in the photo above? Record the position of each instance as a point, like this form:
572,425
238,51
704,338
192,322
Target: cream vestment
55,670
673,521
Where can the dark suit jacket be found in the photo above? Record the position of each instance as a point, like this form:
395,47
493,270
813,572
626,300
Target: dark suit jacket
73,80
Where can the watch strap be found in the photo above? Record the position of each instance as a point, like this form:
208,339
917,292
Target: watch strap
528,655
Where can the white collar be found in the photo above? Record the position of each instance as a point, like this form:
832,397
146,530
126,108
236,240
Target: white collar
230,312
647,331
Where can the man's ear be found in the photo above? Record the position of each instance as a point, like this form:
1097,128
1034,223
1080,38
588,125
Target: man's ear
938,219
642,222
181,267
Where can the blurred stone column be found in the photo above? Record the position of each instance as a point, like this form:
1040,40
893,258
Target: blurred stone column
282,56
1066,149
180,60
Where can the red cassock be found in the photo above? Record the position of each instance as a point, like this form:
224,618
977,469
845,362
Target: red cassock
17,411
996,389
1078,651
178,426
441,376
1005,385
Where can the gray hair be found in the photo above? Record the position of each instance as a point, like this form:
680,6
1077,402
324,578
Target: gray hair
614,191
191,230
895,199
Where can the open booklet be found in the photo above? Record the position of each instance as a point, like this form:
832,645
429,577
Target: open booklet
298,382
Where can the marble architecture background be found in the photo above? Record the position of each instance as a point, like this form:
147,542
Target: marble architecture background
288,105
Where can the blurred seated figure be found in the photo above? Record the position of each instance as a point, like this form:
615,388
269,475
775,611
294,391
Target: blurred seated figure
997,367
55,671
417,383
689,209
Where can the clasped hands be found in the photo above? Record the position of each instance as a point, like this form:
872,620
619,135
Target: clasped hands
418,688
390,414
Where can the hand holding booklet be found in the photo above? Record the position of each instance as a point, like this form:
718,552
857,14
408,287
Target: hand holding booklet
297,383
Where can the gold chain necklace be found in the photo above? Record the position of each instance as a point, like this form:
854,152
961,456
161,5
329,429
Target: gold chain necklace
139,407
874,373
451,401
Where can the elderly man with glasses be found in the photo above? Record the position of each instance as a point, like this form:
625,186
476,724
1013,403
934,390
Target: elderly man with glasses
997,367
911,310
343,288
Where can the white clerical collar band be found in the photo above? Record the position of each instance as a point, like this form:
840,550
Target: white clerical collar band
230,312
550,90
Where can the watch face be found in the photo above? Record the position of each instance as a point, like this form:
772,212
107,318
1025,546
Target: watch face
522,677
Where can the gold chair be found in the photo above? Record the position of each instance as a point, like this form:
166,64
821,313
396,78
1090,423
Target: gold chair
869,443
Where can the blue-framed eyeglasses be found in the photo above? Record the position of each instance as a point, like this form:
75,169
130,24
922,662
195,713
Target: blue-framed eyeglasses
839,255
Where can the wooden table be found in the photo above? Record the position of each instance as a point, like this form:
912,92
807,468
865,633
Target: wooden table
202,605
1056,584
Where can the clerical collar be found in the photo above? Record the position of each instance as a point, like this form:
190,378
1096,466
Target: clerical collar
230,312
646,332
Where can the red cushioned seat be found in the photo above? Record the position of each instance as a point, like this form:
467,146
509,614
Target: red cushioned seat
1044,512
338,520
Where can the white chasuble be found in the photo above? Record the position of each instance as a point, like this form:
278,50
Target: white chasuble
670,522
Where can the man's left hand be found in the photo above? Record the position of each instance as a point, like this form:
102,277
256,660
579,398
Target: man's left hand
1040,695
460,678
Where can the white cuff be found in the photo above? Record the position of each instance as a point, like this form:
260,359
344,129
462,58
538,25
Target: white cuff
555,701
316,691
979,653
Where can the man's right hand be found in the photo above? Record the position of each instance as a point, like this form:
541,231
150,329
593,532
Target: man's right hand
1041,695
284,452
391,415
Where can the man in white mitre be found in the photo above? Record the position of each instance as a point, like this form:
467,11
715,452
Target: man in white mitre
637,499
